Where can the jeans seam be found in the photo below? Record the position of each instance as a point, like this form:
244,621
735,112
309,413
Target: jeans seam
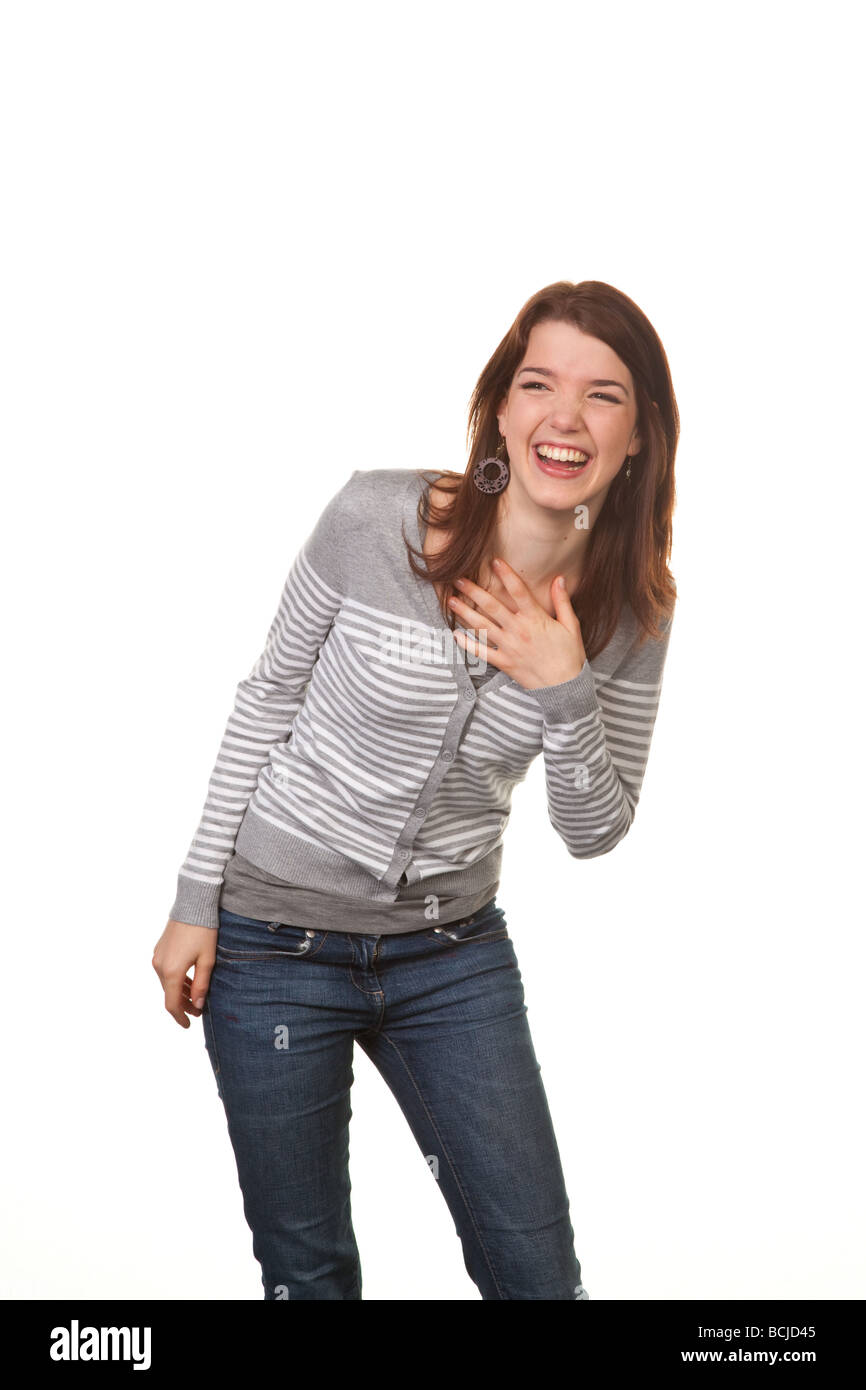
211,1033
385,1038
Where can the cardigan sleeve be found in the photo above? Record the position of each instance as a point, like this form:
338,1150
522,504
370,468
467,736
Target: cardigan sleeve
265,705
595,746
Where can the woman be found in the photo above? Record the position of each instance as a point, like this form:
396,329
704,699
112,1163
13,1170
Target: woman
432,638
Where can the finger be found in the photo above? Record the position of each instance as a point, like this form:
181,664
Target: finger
201,981
480,635
498,591
487,602
188,1005
174,1000
517,587
563,607
471,615
479,649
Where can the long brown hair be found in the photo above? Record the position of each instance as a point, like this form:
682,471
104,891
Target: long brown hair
630,544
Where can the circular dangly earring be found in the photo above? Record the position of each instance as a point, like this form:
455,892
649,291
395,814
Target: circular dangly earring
628,469
480,478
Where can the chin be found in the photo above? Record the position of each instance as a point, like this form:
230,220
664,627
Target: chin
557,494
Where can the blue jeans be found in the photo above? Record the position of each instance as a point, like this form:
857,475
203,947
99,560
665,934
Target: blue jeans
441,1014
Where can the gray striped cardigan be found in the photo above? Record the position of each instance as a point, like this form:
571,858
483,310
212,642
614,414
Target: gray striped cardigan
360,756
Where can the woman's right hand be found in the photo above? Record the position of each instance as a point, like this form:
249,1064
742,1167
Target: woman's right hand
183,945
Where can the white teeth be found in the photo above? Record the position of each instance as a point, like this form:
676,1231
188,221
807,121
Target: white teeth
562,455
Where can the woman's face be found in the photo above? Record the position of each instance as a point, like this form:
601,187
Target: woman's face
570,391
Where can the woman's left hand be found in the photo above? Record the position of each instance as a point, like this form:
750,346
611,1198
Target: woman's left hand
532,647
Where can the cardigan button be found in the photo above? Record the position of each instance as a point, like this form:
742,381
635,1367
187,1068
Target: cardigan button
447,756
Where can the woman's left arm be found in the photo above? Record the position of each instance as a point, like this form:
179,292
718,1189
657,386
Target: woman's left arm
595,745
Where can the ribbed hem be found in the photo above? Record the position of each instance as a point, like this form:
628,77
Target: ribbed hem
570,700
305,865
196,903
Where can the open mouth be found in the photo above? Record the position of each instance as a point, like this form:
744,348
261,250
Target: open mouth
560,468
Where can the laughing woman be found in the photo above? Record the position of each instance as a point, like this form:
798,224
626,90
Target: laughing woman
436,633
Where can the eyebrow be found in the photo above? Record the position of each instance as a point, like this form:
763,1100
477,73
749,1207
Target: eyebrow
544,371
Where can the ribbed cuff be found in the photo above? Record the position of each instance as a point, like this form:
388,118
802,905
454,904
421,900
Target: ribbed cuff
569,700
196,903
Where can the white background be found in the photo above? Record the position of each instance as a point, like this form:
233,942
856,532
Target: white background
250,247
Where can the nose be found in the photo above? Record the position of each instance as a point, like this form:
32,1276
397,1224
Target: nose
566,415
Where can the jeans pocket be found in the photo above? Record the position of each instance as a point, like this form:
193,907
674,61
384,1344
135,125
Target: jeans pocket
251,938
485,925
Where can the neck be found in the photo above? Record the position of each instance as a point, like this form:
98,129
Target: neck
540,544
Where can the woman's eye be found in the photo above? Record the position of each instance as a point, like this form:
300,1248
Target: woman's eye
601,395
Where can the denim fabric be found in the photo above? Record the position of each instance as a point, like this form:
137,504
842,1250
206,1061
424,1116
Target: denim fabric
441,1014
